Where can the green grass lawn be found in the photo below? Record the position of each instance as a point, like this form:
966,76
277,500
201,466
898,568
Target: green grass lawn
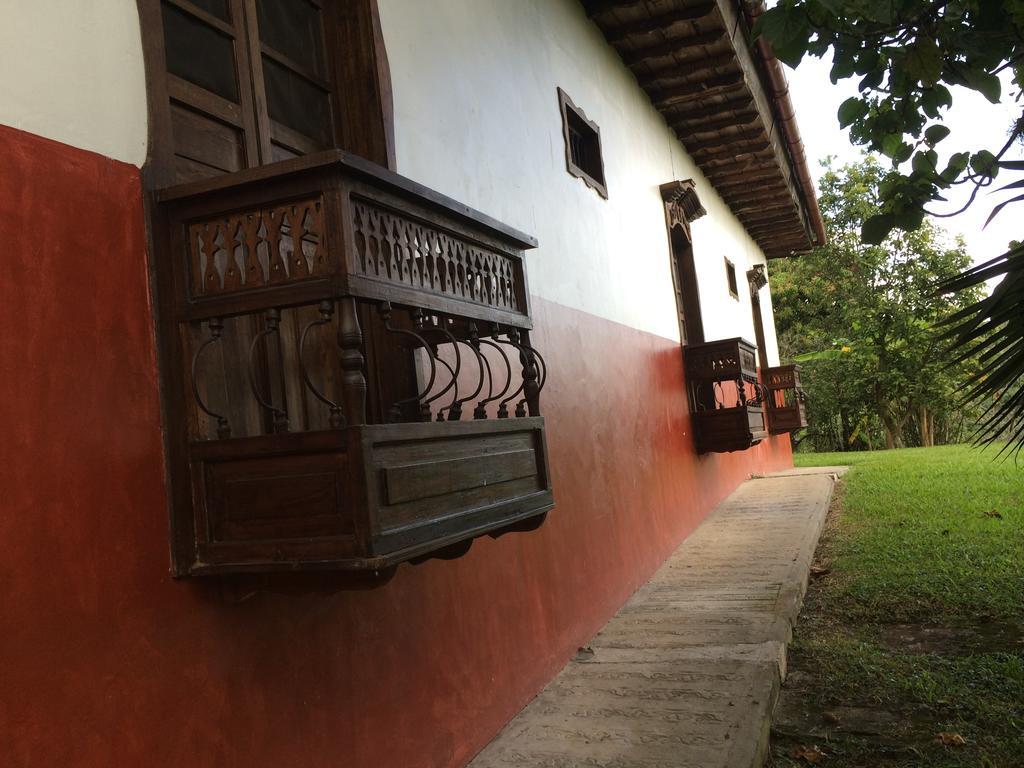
930,538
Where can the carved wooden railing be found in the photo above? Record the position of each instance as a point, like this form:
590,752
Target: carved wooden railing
785,398
349,376
726,399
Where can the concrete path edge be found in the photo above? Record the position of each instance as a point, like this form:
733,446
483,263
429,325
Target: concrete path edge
688,672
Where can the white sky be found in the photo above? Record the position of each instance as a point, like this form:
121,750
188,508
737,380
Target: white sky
974,122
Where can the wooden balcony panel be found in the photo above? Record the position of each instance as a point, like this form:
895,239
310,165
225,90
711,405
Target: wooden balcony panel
785,400
363,498
334,223
725,398
724,430
725,360
348,371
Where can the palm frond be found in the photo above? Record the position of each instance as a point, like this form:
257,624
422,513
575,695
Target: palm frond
992,330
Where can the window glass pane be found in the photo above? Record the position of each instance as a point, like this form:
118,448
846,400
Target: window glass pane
292,27
297,103
199,54
584,146
218,8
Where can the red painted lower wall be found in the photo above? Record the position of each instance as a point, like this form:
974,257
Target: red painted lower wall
105,661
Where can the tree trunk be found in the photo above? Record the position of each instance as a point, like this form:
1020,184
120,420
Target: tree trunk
844,420
924,427
893,429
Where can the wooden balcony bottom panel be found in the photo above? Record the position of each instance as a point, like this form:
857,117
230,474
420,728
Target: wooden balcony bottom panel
449,481
724,430
364,498
786,419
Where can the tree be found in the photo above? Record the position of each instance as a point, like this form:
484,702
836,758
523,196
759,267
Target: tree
907,55
865,318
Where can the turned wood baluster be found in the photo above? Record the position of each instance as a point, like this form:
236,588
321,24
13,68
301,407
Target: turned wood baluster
531,384
353,380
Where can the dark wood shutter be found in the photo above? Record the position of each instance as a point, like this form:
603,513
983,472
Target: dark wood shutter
291,78
240,83
212,123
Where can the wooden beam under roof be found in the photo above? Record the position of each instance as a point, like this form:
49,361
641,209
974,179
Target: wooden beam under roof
713,121
739,201
698,90
711,149
671,46
748,168
774,219
752,161
597,7
764,208
659,22
739,100
692,66
725,179
739,134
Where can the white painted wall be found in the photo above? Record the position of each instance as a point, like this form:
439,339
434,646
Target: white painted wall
72,71
477,117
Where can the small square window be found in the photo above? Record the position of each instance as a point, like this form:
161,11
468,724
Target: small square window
730,276
582,145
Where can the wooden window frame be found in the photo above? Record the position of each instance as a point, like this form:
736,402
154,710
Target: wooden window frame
567,108
731,280
358,74
683,206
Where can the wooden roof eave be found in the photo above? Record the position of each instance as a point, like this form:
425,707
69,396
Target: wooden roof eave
695,61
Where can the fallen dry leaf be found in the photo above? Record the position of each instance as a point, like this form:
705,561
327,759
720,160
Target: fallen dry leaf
950,739
818,571
810,754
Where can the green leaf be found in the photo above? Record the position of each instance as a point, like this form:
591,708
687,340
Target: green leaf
787,31
910,219
851,110
924,163
984,163
876,228
957,164
872,79
987,85
924,61
832,6
891,144
903,153
843,66
792,53
935,134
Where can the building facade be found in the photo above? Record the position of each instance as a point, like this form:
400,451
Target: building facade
148,620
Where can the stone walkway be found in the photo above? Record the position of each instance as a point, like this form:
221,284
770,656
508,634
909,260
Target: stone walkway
688,671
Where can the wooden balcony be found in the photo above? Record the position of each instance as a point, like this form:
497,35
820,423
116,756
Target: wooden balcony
725,397
348,375
785,398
